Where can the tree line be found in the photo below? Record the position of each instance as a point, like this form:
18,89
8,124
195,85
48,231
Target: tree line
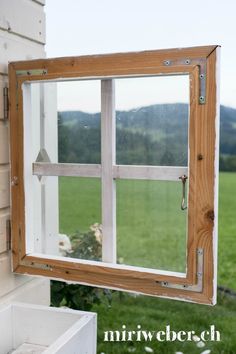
153,135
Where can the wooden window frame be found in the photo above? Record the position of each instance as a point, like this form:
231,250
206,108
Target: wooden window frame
201,64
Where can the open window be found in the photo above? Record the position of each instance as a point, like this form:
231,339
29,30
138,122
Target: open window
136,164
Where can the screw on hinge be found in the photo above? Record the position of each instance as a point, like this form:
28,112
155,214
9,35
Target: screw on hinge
167,62
5,103
202,99
8,234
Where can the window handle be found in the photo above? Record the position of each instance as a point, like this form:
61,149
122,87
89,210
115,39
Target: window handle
183,179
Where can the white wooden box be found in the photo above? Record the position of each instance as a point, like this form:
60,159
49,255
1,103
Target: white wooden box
36,329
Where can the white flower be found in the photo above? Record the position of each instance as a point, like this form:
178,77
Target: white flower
97,229
121,260
200,344
206,351
196,338
64,245
148,350
179,353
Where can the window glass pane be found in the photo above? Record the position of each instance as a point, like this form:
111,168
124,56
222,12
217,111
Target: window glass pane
151,227
79,121
67,220
69,113
80,216
152,120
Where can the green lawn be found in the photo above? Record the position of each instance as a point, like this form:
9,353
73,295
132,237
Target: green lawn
154,314
143,209
227,230
79,203
151,228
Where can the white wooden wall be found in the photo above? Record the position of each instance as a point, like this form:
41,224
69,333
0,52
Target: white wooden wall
22,36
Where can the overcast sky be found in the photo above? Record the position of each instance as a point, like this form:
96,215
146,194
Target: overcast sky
76,27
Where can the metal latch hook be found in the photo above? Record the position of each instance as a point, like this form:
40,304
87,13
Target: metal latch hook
183,179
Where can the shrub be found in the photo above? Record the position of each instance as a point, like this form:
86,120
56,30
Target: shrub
85,246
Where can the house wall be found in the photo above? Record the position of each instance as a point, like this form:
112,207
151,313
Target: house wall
22,36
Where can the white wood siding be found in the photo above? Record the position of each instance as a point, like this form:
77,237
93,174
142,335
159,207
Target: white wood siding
21,22
23,18
16,48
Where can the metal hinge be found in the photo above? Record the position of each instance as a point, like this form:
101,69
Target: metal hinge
30,72
197,287
201,62
8,235
5,103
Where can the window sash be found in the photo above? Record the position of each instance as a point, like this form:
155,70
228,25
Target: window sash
202,166
108,171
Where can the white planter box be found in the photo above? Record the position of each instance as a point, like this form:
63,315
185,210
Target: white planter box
35,329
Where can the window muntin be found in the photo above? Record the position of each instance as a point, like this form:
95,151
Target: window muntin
124,277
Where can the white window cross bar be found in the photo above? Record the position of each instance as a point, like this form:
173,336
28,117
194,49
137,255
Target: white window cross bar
161,173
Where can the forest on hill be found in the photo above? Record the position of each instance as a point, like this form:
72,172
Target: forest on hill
152,135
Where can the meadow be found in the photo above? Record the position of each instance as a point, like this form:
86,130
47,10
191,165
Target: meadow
151,227
149,218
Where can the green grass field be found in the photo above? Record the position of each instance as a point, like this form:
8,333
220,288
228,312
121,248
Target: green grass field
154,314
151,228
227,231
149,219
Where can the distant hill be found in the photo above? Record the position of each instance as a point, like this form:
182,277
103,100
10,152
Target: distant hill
155,135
